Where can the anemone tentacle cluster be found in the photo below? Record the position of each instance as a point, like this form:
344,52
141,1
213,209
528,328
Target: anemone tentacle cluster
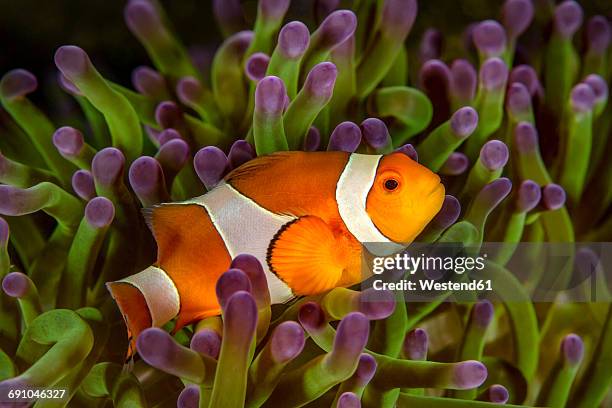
519,129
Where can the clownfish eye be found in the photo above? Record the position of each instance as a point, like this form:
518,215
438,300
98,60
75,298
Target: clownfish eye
391,184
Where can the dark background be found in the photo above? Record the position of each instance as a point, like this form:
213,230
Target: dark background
31,30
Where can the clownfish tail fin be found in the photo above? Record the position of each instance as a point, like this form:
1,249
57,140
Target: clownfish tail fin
146,299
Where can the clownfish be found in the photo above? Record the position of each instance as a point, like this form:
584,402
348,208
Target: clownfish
307,217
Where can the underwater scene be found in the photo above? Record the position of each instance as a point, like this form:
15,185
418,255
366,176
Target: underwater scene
307,203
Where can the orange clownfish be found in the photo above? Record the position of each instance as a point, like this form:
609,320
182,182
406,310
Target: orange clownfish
307,217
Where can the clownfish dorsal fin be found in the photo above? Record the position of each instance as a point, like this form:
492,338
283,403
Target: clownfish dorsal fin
250,168
165,221
307,256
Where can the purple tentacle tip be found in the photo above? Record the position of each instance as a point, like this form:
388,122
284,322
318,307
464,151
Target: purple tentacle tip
240,316
516,16
207,342
240,153
168,115
498,394
311,316
456,164
270,96
189,397
553,196
14,200
322,8
582,98
4,231
346,137
518,98
494,155
448,214
256,66
72,60
100,212
210,164
287,342
376,304
572,348
375,133
189,89
17,83
312,141
167,135
496,191
469,374
232,281
526,75
398,17
321,79
145,175
228,13
274,8
107,165
83,184
464,121
251,266
586,262
525,137
175,152
568,18
463,79
431,44
598,86
493,74
352,333
490,38
528,196
142,18
598,34
16,284
147,81
337,28
15,383
240,42
366,368
416,344
434,77
482,313
293,39
348,400
68,140
155,346
409,151
67,85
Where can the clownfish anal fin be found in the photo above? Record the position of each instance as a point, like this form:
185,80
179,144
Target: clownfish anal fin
306,256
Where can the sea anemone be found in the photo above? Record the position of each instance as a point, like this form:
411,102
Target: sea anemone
513,115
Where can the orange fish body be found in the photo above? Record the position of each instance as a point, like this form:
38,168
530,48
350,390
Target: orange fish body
306,216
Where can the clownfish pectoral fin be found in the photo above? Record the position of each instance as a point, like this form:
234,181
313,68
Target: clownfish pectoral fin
146,299
306,256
